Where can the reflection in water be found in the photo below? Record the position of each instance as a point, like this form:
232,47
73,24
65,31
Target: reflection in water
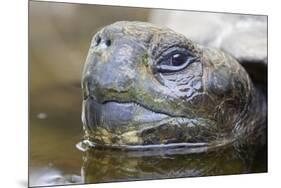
114,165
106,166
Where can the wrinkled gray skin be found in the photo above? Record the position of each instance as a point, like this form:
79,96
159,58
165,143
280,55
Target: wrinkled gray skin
134,96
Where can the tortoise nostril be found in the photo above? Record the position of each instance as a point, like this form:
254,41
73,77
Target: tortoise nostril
108,42
98,40
102,40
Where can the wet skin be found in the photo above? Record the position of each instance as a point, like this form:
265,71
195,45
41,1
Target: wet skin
145,85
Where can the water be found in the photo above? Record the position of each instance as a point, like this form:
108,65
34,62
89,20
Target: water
56,128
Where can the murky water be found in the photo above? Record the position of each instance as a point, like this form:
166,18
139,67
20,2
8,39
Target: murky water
56,128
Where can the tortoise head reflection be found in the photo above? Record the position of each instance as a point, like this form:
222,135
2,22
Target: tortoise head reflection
115,165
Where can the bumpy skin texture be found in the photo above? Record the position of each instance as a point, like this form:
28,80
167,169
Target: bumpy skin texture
146,85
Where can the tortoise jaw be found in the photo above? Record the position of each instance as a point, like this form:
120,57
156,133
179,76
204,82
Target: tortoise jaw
118,117
127,123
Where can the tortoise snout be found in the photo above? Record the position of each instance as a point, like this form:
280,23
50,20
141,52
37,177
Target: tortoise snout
103,82
111,69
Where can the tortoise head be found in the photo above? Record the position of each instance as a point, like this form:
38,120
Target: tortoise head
144,84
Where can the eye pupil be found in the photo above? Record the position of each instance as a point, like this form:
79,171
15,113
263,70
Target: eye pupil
174,61
178,59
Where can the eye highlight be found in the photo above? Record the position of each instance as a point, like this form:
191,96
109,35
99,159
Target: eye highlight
174,61
178,59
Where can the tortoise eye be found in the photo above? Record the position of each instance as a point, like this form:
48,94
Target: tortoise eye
175,61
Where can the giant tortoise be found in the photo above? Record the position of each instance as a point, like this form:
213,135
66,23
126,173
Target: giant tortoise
146,86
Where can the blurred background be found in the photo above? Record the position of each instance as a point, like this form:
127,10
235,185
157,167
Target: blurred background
59,38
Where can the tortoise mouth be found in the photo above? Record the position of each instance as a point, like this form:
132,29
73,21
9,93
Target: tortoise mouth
172,148
125,124
119,116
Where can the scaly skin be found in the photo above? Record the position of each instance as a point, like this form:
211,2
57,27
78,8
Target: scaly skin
132,98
